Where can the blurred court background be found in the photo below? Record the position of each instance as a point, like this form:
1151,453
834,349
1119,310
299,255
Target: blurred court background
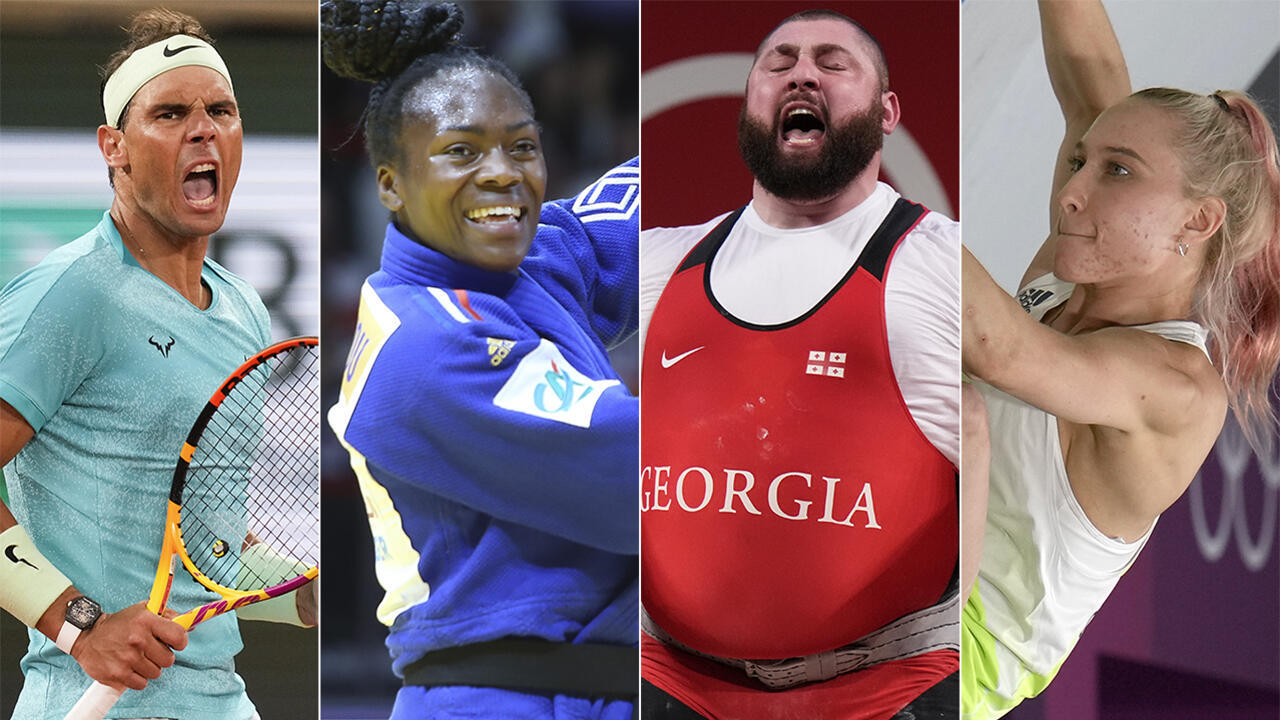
53,188
1193,630
578,61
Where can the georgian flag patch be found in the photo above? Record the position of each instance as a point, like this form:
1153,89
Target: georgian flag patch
545,385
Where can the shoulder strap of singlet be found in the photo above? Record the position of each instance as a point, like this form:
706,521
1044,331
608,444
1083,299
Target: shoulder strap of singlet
901,218
708,245
874,258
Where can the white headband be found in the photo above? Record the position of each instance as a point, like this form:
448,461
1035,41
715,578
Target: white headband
146,63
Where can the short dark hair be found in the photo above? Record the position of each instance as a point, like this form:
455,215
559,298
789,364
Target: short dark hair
398,45
146,28
882,65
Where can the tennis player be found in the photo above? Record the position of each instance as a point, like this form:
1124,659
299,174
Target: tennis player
494,444
1152,308
108,350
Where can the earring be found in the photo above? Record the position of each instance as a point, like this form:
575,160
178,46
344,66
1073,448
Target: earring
1182,249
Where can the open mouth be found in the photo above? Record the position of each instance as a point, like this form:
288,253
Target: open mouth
495,215
200,187
802,126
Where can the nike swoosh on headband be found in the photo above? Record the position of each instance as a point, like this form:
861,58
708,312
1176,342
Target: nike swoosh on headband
175,51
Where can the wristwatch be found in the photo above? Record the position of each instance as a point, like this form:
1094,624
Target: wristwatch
82,613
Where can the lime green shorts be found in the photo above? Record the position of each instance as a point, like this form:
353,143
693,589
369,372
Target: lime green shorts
980,669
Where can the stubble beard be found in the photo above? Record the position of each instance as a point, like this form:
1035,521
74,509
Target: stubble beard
846,151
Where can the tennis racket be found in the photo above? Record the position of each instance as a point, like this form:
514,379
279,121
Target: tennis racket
244,509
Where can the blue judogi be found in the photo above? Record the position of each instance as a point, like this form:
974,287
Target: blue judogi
496,447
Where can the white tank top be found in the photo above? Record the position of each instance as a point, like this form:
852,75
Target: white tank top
1045,568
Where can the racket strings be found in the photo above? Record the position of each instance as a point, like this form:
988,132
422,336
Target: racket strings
250,504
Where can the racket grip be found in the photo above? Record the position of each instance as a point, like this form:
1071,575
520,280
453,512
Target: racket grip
95,702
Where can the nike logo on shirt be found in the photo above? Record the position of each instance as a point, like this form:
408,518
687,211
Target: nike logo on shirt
668,362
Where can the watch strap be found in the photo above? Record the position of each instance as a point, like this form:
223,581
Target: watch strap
67,637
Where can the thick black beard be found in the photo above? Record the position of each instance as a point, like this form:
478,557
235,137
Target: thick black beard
846,151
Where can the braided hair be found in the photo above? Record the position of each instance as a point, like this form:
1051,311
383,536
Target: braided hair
398,45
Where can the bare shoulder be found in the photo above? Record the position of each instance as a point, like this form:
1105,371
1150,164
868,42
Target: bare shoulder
1125,479
1165,381
1198,401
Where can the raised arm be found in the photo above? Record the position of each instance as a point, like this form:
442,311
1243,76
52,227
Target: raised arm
1119,378
1142,411
600,226
1088,75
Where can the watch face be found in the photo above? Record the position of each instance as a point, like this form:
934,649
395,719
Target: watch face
83,612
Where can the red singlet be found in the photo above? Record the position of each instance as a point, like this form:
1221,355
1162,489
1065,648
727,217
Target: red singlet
790,504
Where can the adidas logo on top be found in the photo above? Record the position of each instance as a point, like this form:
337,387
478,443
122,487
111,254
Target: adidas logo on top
1030,298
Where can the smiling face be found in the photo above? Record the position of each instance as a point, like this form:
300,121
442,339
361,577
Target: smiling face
470,176
815,114
1124,210
180,151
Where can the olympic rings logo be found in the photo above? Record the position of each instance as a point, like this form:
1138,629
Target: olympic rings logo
1233,453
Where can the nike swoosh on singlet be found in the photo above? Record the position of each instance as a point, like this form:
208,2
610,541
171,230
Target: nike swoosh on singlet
668,362
171,53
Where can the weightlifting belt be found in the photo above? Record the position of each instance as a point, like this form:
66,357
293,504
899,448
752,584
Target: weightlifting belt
933,628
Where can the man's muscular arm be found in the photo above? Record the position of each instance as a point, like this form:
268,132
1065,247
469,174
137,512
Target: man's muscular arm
14,434
123,649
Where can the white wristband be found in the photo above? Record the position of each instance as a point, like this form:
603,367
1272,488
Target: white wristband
67,637
279,609
29,583
259,563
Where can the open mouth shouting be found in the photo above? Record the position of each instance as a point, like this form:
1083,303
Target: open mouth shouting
200,186
802,125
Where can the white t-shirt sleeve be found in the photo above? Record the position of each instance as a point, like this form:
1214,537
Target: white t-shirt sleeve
661,250
922,314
